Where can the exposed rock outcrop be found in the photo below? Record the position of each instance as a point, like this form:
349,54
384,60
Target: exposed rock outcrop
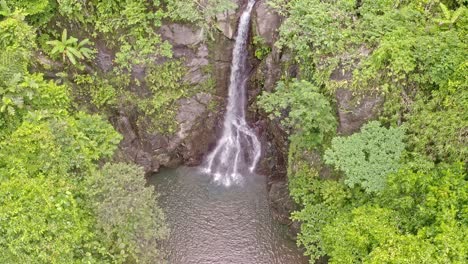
266,22
203,61
227,21
182,34
355,111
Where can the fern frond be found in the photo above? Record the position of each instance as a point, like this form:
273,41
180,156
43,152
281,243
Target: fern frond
445,11
71,41
457,14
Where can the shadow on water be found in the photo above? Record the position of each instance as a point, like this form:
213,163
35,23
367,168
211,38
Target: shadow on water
211,223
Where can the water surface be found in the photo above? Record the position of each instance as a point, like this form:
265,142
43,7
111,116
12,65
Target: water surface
217,224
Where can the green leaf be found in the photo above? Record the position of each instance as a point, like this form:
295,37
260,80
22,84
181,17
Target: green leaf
445,11
75,52
71,57
457,14
84,42
86,52
71,41
4,9
54,42
64,36
57,49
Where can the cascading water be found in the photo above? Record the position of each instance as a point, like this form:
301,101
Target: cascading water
238,148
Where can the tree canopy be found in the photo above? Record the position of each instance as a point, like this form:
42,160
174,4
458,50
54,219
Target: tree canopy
396,190
53,192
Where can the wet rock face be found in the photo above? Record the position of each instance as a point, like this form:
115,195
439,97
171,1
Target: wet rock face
226,24
282,205
189,110
200,137
195,65
193,137
187,146
280,201
131,146
105,57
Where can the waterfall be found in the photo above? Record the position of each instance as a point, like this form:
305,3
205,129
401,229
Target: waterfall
238,148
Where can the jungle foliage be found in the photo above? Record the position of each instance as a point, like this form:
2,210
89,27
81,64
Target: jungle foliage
394,192
59,203
127,33
61,198
309,113
397,190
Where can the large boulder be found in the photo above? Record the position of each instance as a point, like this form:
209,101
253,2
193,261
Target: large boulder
266,22
227,21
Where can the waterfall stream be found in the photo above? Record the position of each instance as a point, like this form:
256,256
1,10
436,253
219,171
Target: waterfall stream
238,148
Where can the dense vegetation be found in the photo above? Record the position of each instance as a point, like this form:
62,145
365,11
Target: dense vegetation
397,190
63,199
394,192
53,200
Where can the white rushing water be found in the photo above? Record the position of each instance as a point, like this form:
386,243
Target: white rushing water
238,148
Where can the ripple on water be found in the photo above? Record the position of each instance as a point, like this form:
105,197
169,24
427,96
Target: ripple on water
214,224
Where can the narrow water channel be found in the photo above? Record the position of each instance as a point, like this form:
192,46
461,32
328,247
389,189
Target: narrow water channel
211,223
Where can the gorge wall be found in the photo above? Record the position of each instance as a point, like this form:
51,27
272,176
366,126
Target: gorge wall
352,110
198,116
